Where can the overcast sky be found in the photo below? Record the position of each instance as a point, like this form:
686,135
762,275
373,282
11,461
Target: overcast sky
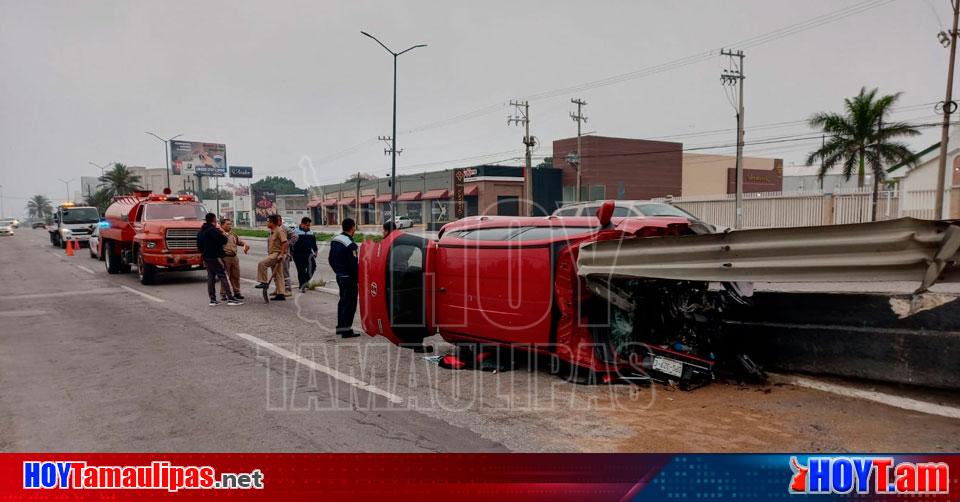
283,81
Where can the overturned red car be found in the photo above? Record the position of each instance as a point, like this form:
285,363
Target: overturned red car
512,284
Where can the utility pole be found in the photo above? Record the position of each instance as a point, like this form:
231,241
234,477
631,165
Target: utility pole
357,201
521,115
949,106
579,119
391,150
2,213
735,76
166,152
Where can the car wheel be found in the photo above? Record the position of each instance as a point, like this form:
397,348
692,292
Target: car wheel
146,272
90,247
112,260
100,251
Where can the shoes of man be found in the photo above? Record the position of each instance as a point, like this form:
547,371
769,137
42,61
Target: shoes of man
261,285
234,302
303,289
213,303
238,296
279,298
352,334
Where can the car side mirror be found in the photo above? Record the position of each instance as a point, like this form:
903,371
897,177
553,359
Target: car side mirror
605,213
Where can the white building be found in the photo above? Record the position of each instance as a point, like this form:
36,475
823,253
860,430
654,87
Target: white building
918,185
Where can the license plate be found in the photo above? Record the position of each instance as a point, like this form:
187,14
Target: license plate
668,366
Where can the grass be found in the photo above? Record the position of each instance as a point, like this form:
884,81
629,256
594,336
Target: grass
321,236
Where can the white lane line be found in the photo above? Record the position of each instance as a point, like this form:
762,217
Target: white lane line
347,379
61,293
904,403
22,313
85,269
141,293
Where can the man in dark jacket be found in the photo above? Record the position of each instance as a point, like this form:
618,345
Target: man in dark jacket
210,241
343,261
305,252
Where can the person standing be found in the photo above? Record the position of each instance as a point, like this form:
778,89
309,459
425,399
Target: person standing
230,259
285,263
305,252
344,262
276,253
210,241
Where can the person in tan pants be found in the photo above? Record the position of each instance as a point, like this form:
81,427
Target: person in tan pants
276,254
231,261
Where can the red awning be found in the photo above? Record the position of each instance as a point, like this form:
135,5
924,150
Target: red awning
472,190
366,199
314,203
330,202
383,198
436,194
348,201
409,196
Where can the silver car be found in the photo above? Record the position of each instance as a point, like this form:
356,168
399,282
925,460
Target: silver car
638,209
403,222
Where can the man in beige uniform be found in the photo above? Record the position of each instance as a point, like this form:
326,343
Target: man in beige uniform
231,261
276,254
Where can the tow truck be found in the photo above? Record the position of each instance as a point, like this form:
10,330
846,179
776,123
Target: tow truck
72,223
642,299
155,232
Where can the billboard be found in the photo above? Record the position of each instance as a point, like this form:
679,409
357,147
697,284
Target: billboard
241,172
264,204
192,157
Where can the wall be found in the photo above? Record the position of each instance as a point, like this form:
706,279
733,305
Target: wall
707,174
643,169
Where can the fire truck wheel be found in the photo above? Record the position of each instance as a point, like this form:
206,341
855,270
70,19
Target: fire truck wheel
111,259
146,272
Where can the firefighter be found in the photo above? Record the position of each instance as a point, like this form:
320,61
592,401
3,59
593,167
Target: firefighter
343,261
276,253
230,259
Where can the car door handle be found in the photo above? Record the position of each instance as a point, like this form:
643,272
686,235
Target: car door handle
443,290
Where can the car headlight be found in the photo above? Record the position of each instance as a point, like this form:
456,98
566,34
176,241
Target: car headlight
65,231
151,244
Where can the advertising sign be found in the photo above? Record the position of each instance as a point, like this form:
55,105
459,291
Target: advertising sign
241,172
264,204
191,157
458,204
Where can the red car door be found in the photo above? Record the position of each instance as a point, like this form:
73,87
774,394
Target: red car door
394,288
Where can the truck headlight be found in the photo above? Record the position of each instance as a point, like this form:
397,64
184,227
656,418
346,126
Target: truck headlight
151,244
65,231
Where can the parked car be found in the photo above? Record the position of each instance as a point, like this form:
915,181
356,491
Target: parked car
403,222
95,248
6,227
638,209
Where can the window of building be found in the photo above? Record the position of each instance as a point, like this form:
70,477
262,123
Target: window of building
508,205
597,192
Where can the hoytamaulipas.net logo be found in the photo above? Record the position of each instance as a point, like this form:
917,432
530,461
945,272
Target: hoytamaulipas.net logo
159,475
868,475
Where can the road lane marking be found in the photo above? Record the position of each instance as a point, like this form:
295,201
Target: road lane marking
141,293
347,379
61,293
904,403
22,313
85,269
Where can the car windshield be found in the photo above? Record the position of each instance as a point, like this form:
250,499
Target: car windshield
663,210
174,211
80,215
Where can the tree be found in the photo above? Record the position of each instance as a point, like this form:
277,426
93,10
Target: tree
119,181
861,137
277,184
39,207
547,162
99,199
362,176
211,194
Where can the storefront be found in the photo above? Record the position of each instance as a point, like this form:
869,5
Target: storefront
382,203
409,205
368,213
330,216
348,208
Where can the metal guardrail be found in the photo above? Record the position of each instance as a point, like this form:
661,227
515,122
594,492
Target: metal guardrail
905,249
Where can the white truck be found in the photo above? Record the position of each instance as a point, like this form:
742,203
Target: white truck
72,222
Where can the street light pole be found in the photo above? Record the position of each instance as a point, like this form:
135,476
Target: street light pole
393,147
166,152
66,184
948,106
98,166
2,213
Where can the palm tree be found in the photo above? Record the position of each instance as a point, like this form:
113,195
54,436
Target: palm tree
99,199
119,181
39,207
861,137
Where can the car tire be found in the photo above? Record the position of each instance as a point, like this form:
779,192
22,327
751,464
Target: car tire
145,272
92,255
112,261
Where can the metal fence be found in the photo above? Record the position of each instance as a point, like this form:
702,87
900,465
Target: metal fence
798,209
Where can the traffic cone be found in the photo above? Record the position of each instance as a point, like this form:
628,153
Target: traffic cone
70,247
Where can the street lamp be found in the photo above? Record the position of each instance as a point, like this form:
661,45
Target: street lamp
166,151
66,186
1,202
393,138
98,166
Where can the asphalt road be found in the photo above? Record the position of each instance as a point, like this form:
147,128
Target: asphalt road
95,362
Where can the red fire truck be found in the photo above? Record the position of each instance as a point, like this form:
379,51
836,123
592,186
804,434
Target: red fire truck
156,232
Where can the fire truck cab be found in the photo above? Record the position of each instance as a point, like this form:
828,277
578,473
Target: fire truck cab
156,232
509,282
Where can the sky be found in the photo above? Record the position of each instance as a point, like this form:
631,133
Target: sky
293,88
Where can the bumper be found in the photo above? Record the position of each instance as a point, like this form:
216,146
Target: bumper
174,261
